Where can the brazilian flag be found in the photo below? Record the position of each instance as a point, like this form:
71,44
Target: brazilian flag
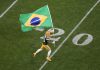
41,18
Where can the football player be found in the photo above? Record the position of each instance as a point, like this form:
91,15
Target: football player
45,45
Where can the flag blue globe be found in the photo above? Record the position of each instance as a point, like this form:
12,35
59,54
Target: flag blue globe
35,21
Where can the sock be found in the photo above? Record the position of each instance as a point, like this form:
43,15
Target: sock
49,52
38,51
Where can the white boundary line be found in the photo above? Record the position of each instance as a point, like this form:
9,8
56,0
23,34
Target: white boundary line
80,22
8,8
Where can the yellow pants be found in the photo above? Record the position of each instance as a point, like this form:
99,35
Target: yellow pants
45,47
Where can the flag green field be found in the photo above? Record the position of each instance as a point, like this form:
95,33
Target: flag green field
42,16
16,47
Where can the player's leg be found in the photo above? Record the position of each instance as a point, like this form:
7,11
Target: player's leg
39,50
49,53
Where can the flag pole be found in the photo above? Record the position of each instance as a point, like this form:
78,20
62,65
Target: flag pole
52,22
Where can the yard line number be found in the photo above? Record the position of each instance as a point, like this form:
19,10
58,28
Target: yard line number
56,37
88,39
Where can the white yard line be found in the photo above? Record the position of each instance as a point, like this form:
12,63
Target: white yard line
8,8
73,30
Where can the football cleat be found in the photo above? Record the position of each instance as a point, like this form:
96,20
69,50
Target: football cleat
48,58
34,54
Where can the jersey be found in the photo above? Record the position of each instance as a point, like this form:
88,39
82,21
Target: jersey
46,38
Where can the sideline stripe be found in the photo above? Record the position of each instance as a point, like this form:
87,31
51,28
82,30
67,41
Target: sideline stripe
80,22
8,8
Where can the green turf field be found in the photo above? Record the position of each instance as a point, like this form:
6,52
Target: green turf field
16,47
